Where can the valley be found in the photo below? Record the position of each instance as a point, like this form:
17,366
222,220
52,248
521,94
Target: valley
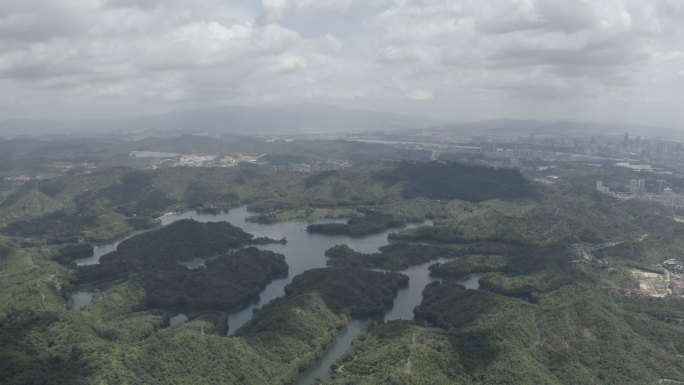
275,302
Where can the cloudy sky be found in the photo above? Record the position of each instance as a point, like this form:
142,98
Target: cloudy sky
611,60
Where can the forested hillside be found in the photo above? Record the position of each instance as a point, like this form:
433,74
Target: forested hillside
543,314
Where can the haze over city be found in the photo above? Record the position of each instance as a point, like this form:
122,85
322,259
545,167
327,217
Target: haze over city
614,60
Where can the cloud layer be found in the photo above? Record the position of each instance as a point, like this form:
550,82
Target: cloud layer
609,59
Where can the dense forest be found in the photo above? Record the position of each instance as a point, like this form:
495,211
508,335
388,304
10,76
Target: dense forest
180,241
359,226
541,315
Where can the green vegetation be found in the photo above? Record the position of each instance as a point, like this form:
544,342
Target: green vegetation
542,317
113,341
398,256
307,214
449,181
462,266
350,291
183,240
524,285
285,336
152,260
5,251
382,355
431,234
562,215
359,226
118,338
70,253
226,283
573,336
109,203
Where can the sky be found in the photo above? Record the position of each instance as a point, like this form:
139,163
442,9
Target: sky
607,60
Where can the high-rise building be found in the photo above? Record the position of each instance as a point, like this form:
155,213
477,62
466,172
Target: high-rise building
488,147
672,200
625,142
641,186
660,186
600,187
637,186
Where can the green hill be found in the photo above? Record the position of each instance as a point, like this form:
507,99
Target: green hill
449,181
180,241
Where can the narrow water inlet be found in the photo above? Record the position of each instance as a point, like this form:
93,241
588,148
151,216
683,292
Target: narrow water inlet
303,251
404,303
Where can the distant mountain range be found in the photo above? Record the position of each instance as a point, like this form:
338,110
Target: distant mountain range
309,119
302,118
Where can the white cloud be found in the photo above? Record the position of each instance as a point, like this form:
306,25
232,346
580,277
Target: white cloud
422,95
280,9
286,64
450,57
541,39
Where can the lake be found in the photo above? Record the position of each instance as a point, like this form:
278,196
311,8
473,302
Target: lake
304,251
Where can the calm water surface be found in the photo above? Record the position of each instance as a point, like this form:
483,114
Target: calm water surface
321,368
81,299
303,251
105,248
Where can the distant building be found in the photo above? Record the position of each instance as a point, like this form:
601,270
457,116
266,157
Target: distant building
601,188
660,186
489,147
672,200
625,143
637,186
673,266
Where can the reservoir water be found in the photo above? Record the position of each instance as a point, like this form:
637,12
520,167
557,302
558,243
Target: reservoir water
105,248
404,303
343,340
305,251
81,299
